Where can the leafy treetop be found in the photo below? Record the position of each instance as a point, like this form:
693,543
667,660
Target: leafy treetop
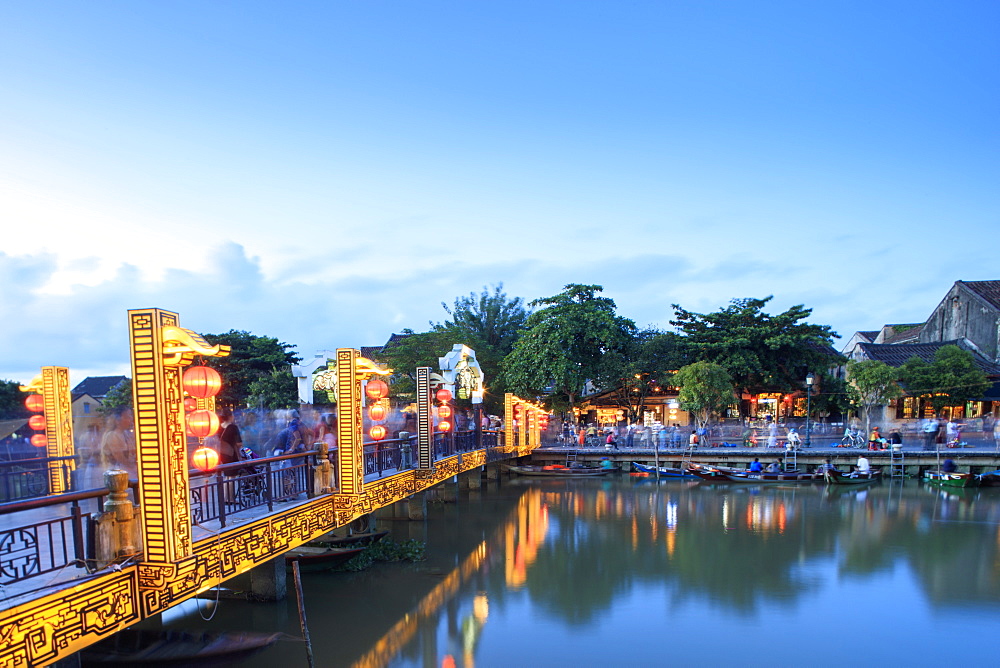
251,358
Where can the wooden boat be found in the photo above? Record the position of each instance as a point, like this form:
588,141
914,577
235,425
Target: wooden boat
664,471
149,647
765,477
313,558
835,477
989,479
557,471
946,479
363,539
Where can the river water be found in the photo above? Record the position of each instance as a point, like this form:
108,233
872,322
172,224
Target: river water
633,572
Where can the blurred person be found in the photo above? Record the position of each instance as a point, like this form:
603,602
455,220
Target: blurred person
118,442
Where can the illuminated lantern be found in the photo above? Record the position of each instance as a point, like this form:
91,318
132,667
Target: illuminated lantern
190,404
202,424
201,381
444,412
376,412
37,422
34,403
376,389
205,459
39,440
443,395
444,425
377,432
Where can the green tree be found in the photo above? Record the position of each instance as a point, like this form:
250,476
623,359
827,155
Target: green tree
762,352
705,388
276,389
950,380
415,350
12,401
117,398
251,358
565,343
491,324
642,368
871,383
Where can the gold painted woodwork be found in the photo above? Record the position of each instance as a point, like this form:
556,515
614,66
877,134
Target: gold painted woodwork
53,385
425,434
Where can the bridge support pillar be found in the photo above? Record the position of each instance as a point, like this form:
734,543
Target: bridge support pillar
267,581
471,479
416,506
492,472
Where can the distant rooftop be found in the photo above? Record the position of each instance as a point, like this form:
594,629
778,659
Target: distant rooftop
896,354
98,386
988,290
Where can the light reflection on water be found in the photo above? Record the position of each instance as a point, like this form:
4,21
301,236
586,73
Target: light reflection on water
631,572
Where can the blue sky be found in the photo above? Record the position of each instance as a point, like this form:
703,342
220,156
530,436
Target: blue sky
329,173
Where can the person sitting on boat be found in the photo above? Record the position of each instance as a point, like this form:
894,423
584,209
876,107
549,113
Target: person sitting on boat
827,465
949,466
607,463
774,467
863,466
756,466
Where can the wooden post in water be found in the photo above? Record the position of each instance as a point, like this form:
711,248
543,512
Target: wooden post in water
303,624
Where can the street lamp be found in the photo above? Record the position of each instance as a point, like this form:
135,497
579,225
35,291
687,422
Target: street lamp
810,379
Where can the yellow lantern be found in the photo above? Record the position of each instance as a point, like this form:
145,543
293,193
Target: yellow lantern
205,459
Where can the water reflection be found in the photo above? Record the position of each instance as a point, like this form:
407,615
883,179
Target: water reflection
560,572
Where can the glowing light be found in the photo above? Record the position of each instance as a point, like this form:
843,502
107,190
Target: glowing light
376,389
444,425
202,381
205,459
376,412
377,432
190,404
202,424
444,412
34,403
37,422
39,440
443,395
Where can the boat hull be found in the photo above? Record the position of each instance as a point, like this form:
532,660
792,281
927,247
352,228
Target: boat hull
314,559
945,479
842,478
567,472
664,471
146,647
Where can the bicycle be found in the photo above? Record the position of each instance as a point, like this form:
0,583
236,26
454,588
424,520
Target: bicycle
852,438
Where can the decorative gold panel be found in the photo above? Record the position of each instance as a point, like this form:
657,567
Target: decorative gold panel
425,434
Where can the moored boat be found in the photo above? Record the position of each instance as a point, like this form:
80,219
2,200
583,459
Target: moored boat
951,479
766,477
351,540
835,477
664,471
558,471
316,558
148,647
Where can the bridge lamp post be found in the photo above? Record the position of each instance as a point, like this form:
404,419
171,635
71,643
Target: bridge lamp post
810,379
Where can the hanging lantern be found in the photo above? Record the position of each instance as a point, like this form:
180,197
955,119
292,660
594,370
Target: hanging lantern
377,432
190,404
39,440
34,403
201,381
443,395
205,459
376,389
37,422
444,412
444,425
376,412
202,424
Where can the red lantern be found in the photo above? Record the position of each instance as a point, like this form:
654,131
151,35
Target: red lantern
202,424
35,403
39,440
444,412
201,381
205,459
376,412
443,395
376,389
377,432
444,425
37,422
190,404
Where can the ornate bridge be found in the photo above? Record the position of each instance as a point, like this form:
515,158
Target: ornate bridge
70,577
